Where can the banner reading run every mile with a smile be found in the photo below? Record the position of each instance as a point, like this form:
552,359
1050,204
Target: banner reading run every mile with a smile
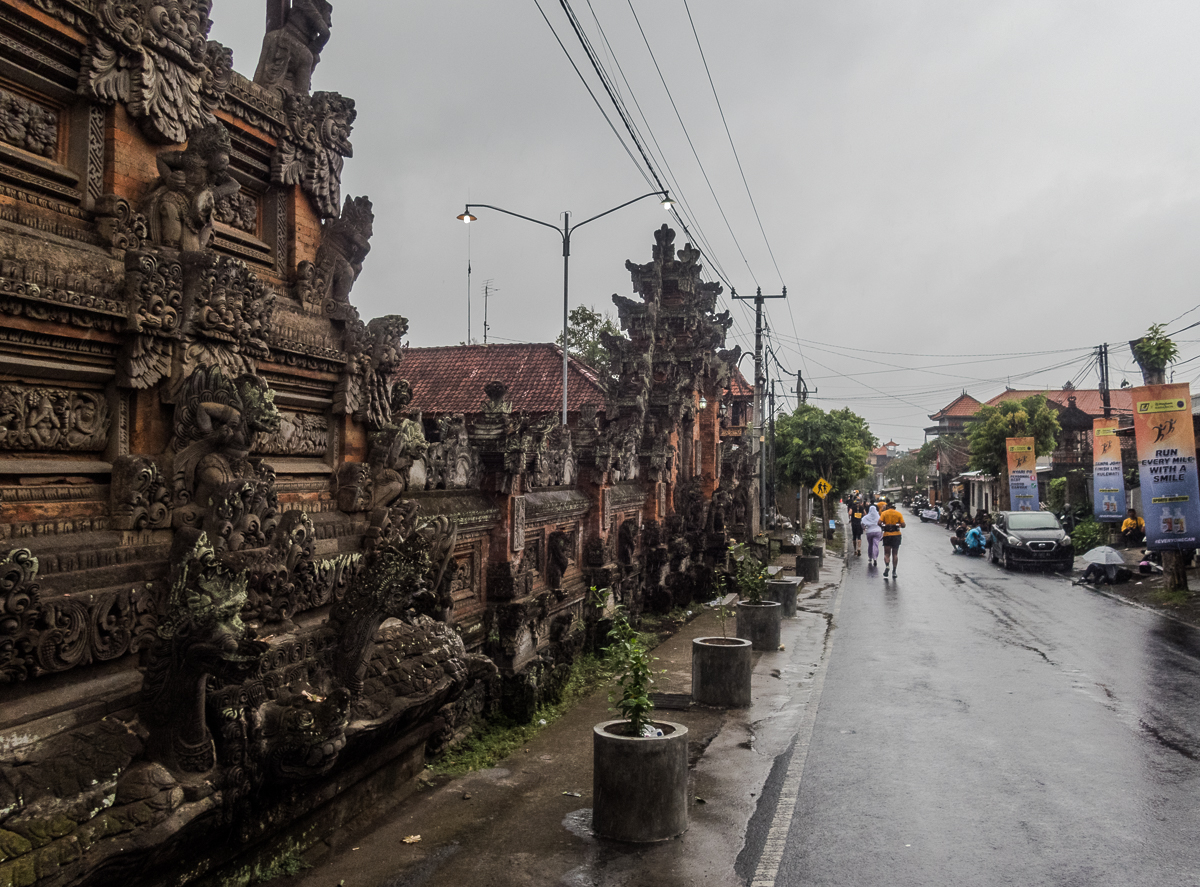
1166,448
1108,481
1022,474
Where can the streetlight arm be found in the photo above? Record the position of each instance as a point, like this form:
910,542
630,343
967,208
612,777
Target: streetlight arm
615,208
509,212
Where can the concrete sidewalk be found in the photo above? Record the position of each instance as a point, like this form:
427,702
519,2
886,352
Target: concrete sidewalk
526,821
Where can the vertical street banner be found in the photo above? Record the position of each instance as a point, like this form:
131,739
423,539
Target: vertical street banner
1022,474
1108,480
1166,450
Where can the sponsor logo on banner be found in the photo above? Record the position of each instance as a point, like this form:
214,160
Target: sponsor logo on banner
1022,474
1166,449
1108,480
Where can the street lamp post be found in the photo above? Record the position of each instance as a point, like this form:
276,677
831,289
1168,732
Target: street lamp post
565,233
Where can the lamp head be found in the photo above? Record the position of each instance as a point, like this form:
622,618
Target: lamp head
466,217
667,202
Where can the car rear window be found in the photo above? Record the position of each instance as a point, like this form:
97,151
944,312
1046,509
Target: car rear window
1033,520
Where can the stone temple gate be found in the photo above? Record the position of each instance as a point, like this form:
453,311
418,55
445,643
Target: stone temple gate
240,579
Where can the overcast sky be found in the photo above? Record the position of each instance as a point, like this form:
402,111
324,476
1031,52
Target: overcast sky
934,178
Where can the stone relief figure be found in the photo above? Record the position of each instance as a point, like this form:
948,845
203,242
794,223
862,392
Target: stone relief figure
408,571
40,418
179,208
200,633
292,47
558,558
215,428
366,387
345,242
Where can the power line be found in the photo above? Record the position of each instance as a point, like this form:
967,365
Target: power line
599,107
688,136
729,135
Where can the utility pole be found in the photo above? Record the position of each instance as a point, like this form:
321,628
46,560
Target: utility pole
802,391
759,382
488,289
1105,397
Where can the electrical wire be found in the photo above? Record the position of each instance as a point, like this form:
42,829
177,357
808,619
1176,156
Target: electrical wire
729,135
691,145
586,86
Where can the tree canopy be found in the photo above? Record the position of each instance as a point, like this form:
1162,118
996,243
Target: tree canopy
992,425
584,327
909,470
811,444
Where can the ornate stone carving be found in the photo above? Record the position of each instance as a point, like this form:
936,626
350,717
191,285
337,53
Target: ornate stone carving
375,351
292,47
35,417
28,125
19,599
409,570
517,529
313,147
299,434
155,58
199,634
556,463
119,225
232,304
558,557
215,428
141,496
239,211
154,293
345,242
453,462
192,182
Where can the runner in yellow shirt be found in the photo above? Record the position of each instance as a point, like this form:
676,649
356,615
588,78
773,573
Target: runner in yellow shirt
892,522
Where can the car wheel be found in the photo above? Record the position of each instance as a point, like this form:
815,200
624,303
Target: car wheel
994,553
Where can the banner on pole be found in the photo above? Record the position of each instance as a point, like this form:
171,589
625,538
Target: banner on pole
1022,474
1166,448
1108,479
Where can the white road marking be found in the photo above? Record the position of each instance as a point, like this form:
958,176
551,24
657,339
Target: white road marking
785,808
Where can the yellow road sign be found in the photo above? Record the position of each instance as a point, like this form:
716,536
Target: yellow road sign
821,488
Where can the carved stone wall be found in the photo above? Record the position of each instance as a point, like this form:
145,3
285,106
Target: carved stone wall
213,489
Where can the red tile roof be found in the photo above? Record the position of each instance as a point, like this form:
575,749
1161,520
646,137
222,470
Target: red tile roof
962,406
739,387
1086,399
451,379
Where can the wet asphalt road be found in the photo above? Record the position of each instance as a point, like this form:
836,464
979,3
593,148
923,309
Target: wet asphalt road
981,727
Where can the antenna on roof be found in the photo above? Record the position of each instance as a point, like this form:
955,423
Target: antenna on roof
488,289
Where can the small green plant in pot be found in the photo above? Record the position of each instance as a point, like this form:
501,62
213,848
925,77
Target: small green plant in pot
749,573
639,767
631,663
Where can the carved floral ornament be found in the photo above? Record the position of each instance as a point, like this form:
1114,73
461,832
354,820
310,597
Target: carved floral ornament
156,58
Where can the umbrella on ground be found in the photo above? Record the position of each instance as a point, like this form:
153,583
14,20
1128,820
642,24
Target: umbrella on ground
1104,554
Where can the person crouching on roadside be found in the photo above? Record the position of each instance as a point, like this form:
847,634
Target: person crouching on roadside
1133,530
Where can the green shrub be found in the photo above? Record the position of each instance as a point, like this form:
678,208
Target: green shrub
631,661
1088,534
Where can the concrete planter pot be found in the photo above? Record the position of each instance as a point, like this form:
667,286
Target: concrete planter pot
808,567
784,591
721,672
759,624
639,784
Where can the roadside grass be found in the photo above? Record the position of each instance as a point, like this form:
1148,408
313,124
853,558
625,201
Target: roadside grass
1177,598
500,736
284,863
